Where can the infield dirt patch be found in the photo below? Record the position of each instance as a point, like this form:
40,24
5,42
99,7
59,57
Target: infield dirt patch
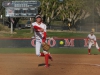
63,64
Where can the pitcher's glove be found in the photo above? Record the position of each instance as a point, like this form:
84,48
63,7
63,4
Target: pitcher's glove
45,46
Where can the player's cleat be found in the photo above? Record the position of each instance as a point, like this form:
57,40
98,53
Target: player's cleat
46,66
89,53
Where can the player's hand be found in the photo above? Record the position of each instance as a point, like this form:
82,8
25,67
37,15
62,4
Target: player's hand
40,30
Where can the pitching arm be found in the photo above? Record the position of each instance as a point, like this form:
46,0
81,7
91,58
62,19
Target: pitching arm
44,35
95,40
38,28
44,38
87,39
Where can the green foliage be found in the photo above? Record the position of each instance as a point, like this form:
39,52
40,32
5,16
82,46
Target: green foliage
71,10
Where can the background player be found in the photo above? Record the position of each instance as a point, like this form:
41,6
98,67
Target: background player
91,39
40,36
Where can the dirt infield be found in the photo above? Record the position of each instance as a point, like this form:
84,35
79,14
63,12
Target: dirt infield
27,64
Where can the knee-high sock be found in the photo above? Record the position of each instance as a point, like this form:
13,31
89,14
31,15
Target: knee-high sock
89,50
46,59
42,54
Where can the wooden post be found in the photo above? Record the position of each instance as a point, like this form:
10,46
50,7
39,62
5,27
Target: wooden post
31,29
12,22
11,27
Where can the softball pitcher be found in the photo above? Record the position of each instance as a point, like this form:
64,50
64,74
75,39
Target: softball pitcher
91,39
40,36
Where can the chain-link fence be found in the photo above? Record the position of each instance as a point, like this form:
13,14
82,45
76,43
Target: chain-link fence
91,27
92,22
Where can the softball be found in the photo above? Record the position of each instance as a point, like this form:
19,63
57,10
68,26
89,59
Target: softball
61,42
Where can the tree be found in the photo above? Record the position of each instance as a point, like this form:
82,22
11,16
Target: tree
49,10
70,10
97,6
74,10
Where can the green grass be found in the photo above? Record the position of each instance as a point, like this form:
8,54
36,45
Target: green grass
25,33
52,50
17,50
67,34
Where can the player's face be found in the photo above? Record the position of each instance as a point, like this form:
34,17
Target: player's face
38,20
91,33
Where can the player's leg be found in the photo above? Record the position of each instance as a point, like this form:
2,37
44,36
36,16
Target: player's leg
38,47
97,46
46,60
47,56
89,48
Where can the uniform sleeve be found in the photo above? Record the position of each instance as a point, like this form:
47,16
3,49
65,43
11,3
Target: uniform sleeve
44,38
35,27
45,28
45,34
33,24
94,38
87,37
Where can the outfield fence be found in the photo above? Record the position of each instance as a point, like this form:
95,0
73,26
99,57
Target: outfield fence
30,43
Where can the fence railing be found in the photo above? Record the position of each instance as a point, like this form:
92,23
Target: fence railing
87,28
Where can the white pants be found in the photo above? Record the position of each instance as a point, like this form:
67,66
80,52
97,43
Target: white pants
91,44
38,47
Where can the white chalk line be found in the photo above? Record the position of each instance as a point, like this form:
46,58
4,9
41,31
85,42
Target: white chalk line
87,64
98,65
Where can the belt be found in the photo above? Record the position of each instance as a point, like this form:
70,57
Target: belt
38,39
